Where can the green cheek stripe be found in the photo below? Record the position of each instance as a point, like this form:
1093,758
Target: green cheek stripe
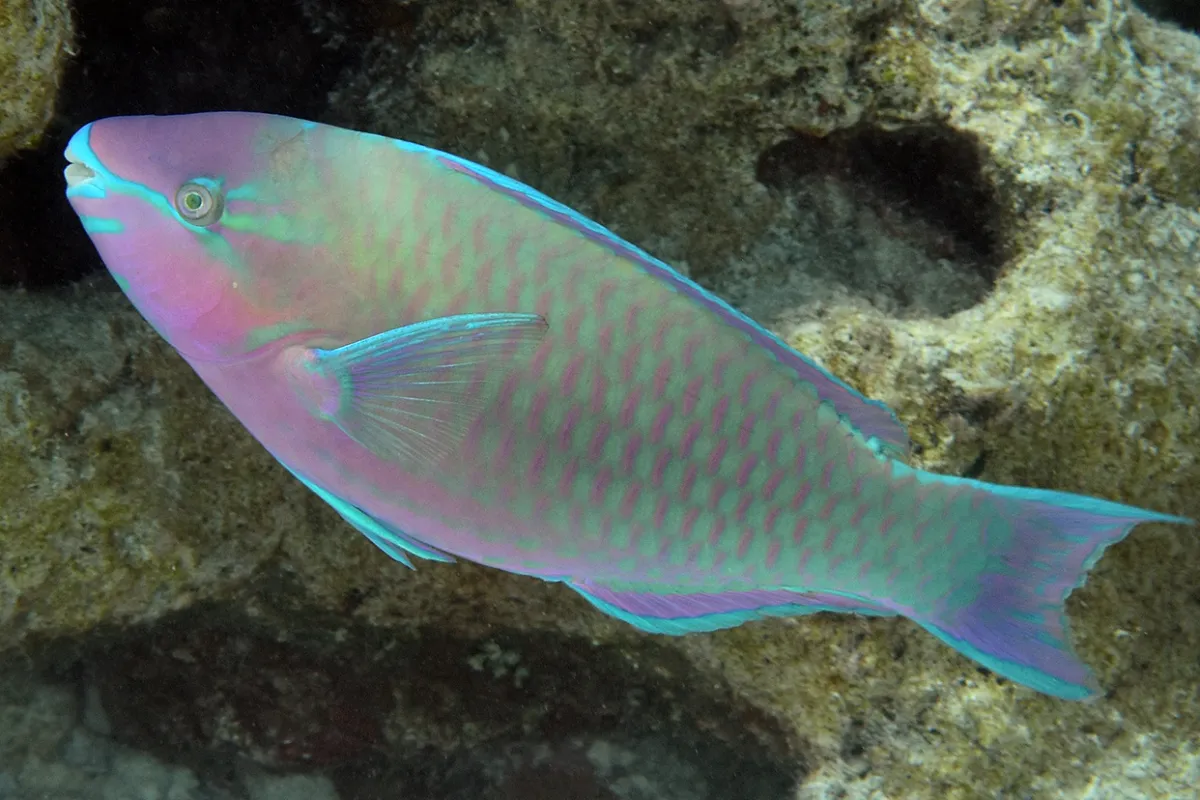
243,192
277,227
101,225
264,335
219,249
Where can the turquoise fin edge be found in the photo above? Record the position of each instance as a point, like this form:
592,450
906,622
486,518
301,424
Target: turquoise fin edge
386,538
681,626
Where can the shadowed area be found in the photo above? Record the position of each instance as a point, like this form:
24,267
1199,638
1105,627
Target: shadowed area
424,713
921,189
1184,13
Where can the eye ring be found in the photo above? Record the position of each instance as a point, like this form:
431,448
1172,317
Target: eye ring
199,204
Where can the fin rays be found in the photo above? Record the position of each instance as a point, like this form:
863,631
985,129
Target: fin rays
411,394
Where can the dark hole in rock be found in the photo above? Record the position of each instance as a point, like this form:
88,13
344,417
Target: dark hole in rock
905,219
1184,13
426,713
163,57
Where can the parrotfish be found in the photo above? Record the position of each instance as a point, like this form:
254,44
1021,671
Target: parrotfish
464,367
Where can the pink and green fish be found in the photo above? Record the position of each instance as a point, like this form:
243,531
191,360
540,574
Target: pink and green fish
461,366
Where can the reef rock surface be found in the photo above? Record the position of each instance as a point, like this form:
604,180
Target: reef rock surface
35,41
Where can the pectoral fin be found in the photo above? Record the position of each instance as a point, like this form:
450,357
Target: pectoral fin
411,394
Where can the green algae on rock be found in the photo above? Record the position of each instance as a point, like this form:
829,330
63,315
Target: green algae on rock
123,488
35,41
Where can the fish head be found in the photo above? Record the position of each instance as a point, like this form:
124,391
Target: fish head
203,220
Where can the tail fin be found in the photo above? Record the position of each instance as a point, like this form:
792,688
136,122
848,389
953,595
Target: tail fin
1016,625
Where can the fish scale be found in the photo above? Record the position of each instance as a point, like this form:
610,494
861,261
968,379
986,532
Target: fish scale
657,471
462,367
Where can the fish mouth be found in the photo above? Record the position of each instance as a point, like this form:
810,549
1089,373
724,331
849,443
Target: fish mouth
77,172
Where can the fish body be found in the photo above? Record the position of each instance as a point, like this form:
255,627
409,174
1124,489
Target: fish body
463,367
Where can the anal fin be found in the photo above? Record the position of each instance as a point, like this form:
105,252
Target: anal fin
679,611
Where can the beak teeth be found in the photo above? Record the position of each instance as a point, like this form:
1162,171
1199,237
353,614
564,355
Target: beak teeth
77,173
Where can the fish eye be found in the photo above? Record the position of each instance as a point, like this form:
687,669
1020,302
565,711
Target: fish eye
199,204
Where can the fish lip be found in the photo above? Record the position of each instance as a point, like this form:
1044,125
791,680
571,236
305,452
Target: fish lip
77,172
